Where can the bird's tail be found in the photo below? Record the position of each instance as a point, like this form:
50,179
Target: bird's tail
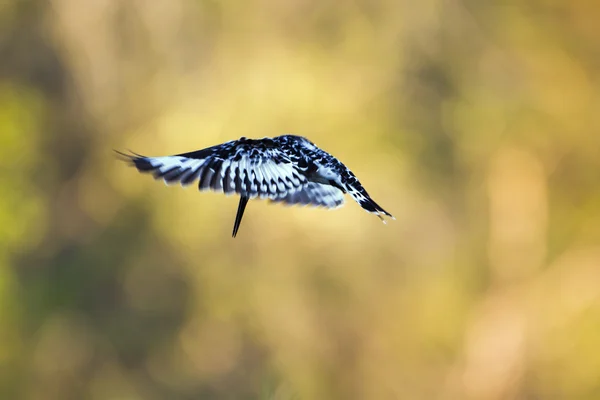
360,195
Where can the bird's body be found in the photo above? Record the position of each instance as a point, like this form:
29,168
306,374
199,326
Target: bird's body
288,169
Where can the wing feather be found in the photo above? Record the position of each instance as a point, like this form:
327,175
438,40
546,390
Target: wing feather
253,168
314,194
228,184
189,177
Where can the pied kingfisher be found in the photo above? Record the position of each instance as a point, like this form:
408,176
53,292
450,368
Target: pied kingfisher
288,169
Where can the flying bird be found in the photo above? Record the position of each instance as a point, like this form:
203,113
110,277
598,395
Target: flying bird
285,169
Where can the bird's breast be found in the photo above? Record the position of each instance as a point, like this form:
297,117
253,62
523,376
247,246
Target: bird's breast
324,174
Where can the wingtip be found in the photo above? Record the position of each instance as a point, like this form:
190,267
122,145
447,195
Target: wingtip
127,157
122,156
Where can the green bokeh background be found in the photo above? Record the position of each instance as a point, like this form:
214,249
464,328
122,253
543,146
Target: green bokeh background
475,123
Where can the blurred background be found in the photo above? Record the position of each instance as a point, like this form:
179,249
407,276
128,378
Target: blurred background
476,124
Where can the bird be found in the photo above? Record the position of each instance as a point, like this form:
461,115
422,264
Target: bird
287,169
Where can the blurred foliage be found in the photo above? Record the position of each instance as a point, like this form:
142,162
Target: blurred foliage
475,123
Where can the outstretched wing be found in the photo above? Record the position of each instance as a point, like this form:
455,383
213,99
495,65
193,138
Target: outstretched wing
315,194
252,168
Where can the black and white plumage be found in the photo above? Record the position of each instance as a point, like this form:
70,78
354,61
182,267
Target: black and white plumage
287,169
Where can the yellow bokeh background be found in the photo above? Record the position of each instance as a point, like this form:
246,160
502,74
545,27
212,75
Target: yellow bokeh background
475,123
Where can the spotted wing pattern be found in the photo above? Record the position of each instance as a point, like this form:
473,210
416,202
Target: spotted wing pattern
314,194
328,170
251,168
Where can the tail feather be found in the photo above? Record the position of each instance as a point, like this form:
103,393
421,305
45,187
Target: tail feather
360,195
371,206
